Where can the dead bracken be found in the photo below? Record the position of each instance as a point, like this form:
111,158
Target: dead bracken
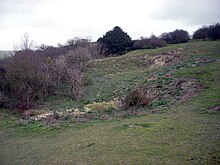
164,58
214,109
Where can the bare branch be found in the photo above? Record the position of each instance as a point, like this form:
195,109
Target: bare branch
26,43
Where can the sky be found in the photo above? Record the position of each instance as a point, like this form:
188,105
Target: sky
55,21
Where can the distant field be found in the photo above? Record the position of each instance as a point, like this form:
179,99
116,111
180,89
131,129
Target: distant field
187,132
5,53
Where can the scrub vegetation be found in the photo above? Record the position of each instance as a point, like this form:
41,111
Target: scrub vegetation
83,106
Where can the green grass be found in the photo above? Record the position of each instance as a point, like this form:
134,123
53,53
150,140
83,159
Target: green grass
115,76
185,133
179,137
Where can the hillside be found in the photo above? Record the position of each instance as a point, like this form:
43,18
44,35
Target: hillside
180,125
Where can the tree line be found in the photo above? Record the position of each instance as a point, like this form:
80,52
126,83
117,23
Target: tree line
211,32
116,41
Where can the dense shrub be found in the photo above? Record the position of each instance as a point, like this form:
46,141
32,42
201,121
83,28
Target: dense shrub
71,45
149,43
26,77
140,44
21,79
50,51
211,32
180,36
136,98
4,101
214,32
201,33
79,56
76,83
154,42
175,37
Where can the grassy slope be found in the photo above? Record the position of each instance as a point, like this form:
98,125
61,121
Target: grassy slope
183,134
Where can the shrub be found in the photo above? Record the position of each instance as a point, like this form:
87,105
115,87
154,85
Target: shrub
175,37
78,42
101,107
79,56
214,32
151,43
3,100
76,83
154,42
201,33
140,43
26,77
180,36
211,32
21,79
136,98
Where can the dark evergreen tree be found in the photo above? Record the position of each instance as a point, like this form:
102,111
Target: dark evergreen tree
115,41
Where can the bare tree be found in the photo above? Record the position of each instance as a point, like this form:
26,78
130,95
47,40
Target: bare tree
78,42
26,43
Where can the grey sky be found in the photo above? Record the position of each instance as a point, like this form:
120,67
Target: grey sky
55,21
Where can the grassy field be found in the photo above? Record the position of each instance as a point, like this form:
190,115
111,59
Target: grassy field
187,132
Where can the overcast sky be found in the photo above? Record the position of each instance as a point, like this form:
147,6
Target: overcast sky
55,21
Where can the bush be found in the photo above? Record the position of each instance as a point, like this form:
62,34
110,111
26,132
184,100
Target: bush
140,44
3,100
214,32
175,37
21,83
201,33
211,32
76,83
136,98
79,56
154,42
101,107
26,77
151,43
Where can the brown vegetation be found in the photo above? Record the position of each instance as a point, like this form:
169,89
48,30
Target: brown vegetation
136,98
29,75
